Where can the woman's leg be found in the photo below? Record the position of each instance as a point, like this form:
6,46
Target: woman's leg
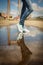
28,4
22,12
20,25
27,11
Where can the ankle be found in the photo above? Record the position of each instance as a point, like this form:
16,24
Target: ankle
21,24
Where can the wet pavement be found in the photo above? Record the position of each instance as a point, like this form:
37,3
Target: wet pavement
21,49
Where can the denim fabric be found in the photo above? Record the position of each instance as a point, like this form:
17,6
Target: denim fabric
26,10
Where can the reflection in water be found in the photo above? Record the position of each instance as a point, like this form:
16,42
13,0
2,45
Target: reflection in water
9,33
26,53
33,40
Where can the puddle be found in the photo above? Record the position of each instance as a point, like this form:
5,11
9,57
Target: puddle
11,33
27,48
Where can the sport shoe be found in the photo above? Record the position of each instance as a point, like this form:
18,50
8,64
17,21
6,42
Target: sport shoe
20,28
25,30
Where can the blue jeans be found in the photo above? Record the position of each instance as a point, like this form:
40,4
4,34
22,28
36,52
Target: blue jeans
26,10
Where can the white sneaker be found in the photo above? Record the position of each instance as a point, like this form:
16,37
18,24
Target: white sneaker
25,30
20,28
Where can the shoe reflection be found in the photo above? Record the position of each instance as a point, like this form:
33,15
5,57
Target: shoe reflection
26,53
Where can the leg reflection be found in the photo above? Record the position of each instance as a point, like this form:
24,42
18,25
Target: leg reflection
26,53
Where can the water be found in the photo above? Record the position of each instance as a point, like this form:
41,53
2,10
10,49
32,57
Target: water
29,50
34,35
